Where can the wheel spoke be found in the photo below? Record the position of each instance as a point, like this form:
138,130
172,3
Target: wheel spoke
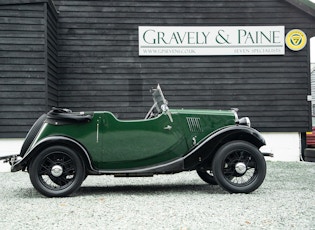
236,177
61,180
228,171
57,171
57,182
44,170
239,167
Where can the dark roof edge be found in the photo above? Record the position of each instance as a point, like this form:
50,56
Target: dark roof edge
16,2
305,5
21,2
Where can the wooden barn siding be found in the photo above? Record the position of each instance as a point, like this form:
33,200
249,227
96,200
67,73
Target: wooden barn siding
22,67
28,64
52,57
99,66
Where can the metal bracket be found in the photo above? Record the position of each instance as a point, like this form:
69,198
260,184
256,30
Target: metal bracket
194,140
168,127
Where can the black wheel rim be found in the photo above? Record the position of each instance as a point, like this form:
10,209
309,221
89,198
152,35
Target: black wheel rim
240,177
57,182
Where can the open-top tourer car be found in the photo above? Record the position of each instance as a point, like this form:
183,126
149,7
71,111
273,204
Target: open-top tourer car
63,147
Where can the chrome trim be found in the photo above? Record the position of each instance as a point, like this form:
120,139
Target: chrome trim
56,170
180,161
177,163
150,169
168,127
194,140
244,121
235,110
97,132
240,167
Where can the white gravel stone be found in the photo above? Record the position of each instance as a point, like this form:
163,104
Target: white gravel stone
181,201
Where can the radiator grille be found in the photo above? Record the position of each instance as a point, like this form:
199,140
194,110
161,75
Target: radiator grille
194,124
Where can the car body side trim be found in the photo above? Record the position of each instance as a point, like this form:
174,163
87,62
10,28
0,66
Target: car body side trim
179,163
173,166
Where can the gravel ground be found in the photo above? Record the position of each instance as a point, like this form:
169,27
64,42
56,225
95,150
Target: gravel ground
286,200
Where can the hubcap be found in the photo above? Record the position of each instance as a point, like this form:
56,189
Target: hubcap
240,168
56,171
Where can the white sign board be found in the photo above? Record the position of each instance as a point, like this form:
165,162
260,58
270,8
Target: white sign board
209,40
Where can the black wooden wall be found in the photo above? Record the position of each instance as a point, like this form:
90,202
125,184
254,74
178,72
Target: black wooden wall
100,67
51,47
86,58
25,62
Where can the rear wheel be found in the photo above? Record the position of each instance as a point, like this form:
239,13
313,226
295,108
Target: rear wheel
239,167
207,176
57,171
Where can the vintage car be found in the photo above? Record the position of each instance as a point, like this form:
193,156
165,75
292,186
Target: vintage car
63,147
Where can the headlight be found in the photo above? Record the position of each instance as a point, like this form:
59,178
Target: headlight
244,121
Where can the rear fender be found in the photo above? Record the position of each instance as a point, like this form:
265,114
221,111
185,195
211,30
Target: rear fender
50,141
205,151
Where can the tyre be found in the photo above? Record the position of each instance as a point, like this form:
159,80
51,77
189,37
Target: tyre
239,167
207,176
309,154
309,159
57,171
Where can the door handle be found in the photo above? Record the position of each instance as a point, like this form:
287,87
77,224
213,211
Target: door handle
168,127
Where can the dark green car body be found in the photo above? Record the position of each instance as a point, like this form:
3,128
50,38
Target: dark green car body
117,144
170,141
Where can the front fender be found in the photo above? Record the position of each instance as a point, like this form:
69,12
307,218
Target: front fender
238,132
46,142
206,149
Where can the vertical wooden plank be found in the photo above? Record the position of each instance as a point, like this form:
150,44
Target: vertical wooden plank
22,67
46,55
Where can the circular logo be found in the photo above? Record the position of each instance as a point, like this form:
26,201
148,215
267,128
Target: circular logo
295,40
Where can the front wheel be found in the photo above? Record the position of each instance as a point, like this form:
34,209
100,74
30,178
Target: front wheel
239,167
57,171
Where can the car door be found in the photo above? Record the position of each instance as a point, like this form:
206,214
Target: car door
140,143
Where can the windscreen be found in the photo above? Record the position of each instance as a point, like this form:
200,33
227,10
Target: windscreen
158,98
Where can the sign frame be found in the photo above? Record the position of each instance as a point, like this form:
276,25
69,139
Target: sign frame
211,40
